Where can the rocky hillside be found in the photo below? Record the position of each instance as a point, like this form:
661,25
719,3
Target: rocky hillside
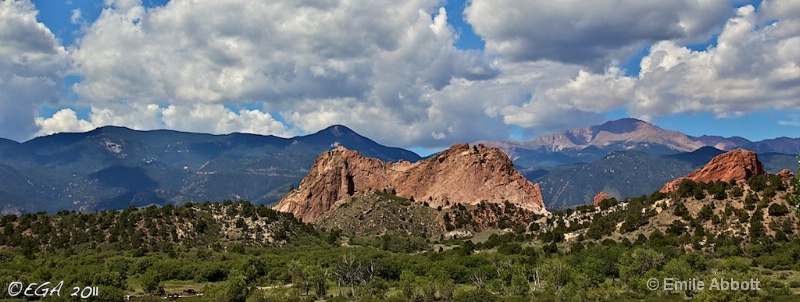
459,175
624,174
208,224
620,174
377,213
700,218
730,199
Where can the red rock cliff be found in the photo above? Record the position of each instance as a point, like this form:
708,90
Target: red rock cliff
461,174
733,165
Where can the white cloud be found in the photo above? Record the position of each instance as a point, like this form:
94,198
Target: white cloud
65,120
277,51
771,10
218,119
752,68
316,62
123,5
76,17
207,118
31,69
389,70
138,116
593,34
595,92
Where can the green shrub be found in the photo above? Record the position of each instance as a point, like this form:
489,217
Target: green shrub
777,209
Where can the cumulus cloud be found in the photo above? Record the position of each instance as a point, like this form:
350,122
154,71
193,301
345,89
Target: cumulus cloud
389,70
276,51
519,97
207,118
592,34
595,92
140,116
753,67
32,64
771,10
65,120
369,66
215,118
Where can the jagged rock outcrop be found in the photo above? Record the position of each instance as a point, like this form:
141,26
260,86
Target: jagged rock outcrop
785,174
460,174
737,165
600,197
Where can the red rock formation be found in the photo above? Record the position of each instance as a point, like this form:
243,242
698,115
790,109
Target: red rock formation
785,174
733,165
461,174
600,197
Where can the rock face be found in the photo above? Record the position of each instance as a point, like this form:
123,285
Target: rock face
599,197
786,174
733,165
461,174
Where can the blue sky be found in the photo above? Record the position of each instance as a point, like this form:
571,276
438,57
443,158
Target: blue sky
419,74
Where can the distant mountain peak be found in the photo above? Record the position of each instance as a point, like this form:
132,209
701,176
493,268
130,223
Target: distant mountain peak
111,128
623,125
628,120
338,130
622,134
706,149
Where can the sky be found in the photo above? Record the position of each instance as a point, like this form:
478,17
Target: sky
419,74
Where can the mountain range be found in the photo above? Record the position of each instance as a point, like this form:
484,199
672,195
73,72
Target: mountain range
115,167
629,174
626,158
584,145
